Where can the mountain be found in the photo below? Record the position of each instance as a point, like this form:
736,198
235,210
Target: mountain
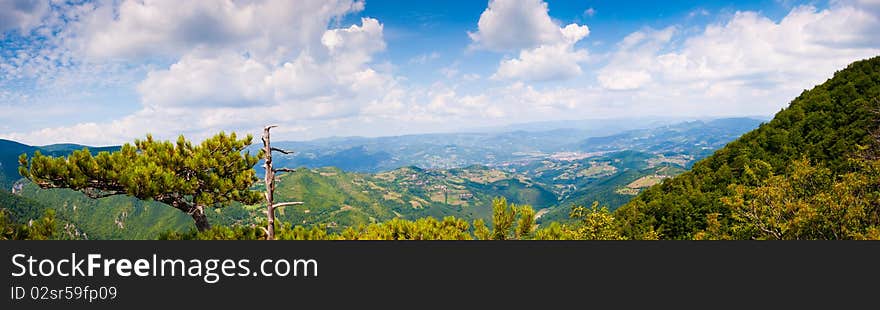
613,169
594,127
693,138
115,217
612,180
549,170
21,208
830,126
442,151
340,198
613,172
90,218
332,197
10,150
496,148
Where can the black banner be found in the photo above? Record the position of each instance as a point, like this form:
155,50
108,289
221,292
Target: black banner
413,274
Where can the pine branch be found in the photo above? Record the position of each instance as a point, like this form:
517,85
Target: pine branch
284,204
286,152
95,194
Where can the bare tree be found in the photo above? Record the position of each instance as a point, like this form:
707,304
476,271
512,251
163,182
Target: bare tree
270,183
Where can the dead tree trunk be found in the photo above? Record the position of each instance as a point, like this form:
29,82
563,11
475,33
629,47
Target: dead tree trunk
270,183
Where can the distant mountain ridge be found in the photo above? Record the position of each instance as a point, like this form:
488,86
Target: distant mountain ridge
452,150
694,138
461,173
10,150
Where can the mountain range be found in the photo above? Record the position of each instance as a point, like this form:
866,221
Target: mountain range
354,180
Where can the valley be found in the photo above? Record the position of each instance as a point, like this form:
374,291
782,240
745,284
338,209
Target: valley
447,175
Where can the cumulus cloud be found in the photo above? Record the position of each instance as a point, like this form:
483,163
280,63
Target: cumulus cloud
749,53
515,24
285,64
233,79
354,46
547,51
227,80
745,65
269,28
629,66
547,62
621,79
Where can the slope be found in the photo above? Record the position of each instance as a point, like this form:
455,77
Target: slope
338,198
829,125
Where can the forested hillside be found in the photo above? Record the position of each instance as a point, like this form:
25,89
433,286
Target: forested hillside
823,144
617,169
117,217
333,198
342,199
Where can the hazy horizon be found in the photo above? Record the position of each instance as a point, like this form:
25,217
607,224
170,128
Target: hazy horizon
543,126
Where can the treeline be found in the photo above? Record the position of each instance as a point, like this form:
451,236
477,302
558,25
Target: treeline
509,222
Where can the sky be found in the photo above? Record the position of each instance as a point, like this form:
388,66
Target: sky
108,72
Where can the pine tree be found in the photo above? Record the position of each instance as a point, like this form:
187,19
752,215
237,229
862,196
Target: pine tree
594,223
509,221
187,177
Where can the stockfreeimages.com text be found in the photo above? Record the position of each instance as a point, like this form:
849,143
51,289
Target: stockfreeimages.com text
210,270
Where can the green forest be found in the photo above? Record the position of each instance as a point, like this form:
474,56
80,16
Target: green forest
812,172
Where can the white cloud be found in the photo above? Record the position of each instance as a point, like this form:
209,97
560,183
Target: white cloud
232,79
301,78
259,71
354,46
628,67
304,87
22,15
748,64
624,80
748,51
547,62
270,28
515,24
547,52
227,80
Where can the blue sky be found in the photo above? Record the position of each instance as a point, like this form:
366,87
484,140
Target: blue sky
106,72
